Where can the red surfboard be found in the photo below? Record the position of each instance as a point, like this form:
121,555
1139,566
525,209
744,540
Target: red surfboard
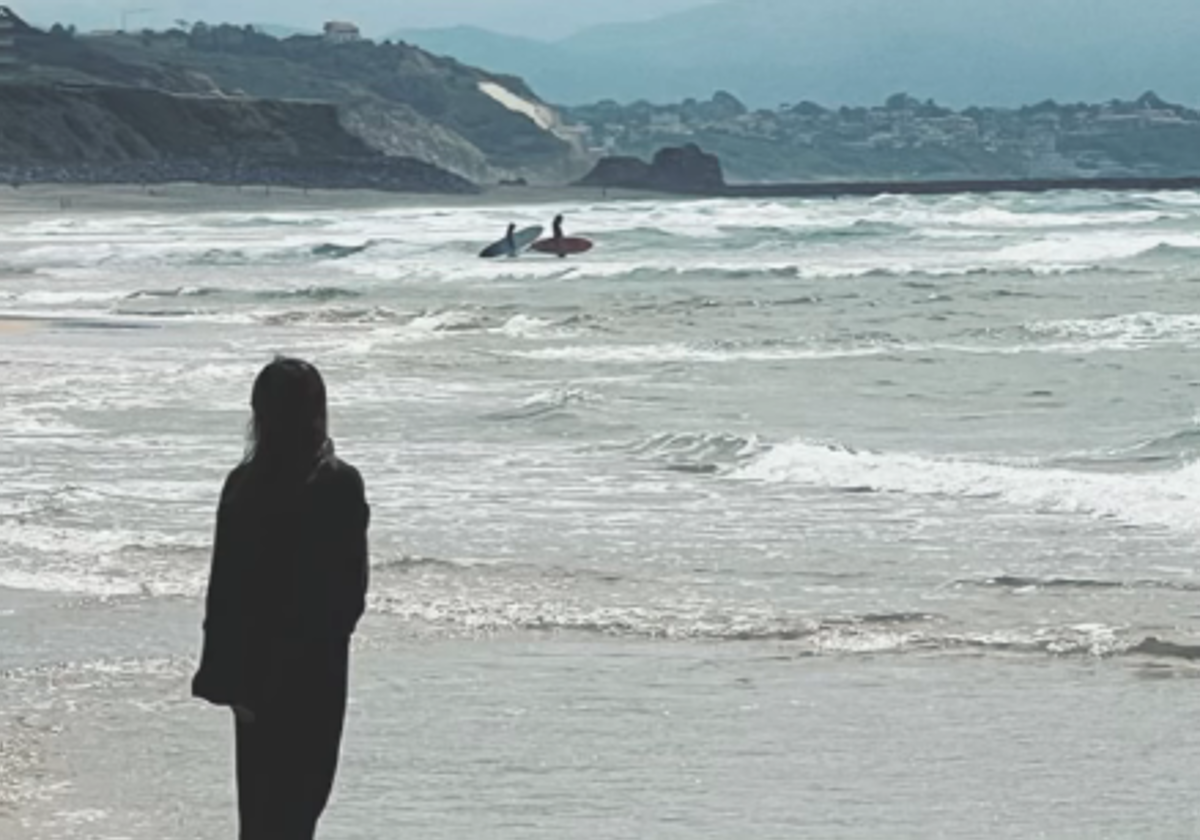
566,245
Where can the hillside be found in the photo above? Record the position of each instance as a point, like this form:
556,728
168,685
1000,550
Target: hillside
397,98
859,51
107,124
60,122
905,138
128,135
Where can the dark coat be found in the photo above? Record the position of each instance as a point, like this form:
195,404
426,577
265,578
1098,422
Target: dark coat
288,584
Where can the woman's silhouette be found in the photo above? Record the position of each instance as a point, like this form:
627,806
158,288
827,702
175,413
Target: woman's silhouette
287,588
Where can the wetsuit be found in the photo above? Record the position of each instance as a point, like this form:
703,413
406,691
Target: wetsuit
558,235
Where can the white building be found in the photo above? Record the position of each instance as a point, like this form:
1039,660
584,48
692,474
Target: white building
341,32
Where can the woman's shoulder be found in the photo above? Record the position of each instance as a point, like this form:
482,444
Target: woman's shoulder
233,481
341,476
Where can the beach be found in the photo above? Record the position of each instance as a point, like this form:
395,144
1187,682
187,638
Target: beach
838,518
204,198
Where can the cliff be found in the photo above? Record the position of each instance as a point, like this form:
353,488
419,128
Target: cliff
396,98
128,135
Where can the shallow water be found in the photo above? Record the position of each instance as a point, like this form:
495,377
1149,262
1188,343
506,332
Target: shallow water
839,519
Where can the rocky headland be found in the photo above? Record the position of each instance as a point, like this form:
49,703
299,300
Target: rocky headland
685,169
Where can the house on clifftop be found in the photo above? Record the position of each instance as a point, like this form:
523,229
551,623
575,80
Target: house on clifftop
341,32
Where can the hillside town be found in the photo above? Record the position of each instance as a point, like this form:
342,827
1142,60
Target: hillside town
906,137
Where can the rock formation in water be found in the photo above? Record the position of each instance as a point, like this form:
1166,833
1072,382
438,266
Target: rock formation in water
682,169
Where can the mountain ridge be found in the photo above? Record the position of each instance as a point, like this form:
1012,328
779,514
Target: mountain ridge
858,51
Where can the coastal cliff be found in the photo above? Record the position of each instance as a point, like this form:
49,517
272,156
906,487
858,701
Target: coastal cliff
395,98
129,135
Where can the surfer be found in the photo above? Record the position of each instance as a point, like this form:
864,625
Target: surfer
287,588
556,226
510,242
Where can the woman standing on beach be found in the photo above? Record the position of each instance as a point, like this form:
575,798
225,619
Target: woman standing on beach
287,588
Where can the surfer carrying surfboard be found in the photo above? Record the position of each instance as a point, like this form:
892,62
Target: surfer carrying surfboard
556,226
513,242
560,244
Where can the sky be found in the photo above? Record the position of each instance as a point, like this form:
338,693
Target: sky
538,18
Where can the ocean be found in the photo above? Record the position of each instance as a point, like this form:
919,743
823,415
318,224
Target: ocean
833,519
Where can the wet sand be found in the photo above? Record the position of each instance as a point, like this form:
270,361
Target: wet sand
15,326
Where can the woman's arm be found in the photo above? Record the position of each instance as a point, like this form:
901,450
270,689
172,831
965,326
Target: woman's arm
352,568
219,676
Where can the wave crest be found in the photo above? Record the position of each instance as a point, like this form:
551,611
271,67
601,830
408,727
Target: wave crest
1165,499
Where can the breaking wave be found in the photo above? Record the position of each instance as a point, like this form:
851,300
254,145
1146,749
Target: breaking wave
697,452
1162,499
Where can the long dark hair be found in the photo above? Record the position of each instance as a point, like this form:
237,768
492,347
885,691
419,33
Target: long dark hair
289,431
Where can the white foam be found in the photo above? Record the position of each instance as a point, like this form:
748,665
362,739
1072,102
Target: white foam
1090,248
44,297
637,354
1133,329
419,245
1167,499
530,327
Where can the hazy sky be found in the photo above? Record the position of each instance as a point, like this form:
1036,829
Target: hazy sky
544,18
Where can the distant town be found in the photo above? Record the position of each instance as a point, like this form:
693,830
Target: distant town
906,137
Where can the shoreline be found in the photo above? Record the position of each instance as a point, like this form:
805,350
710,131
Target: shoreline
67,199
957,186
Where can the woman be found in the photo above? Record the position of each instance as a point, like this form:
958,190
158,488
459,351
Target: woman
288,585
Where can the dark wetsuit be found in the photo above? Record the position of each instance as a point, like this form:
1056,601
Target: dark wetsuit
288,586
558,235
